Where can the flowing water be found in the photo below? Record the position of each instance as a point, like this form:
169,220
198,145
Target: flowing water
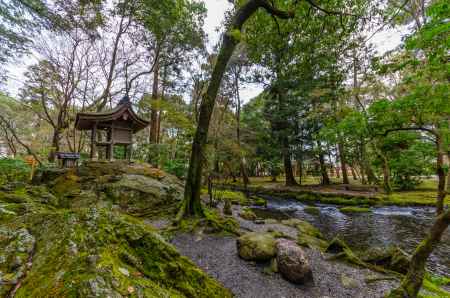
384,226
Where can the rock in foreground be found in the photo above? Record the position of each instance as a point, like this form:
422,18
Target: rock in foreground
292,262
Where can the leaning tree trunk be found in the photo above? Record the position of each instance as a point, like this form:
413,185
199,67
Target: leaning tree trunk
192,204
412,282
242,165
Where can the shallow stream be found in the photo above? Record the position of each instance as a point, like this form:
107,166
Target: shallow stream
384,226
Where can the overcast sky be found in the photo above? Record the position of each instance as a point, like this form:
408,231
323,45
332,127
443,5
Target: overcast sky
383,41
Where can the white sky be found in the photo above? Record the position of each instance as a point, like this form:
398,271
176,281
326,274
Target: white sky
384,41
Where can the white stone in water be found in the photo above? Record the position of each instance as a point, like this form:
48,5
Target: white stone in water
124,271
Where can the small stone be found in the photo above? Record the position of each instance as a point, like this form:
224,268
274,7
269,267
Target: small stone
274,265
124,271
348,282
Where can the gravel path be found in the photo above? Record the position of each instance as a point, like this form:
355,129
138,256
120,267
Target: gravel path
218,256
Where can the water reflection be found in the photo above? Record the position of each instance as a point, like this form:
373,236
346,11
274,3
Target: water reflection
384,226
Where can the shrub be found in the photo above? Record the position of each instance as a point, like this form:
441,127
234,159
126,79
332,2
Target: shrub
13,170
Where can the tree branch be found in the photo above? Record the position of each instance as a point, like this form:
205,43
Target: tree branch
7,126
329,12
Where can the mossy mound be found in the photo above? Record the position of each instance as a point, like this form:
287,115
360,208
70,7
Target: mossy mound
392,258
392,261
257,246
235,197
312,210
308,235
258,201
354,209
78,235
247,214
137,189
48,251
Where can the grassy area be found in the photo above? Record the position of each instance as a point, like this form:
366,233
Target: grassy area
423,195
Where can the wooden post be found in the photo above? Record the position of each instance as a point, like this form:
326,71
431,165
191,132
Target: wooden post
128,151
93,141
109,150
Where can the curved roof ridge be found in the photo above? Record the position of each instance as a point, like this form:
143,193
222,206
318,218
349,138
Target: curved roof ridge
85,120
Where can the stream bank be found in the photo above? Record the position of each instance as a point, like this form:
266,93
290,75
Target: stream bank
337,194
218,256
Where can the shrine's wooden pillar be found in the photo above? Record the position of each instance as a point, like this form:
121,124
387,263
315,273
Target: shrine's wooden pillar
93,141
128,151
110,147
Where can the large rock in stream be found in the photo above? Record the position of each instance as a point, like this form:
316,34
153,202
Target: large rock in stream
292,262
76,235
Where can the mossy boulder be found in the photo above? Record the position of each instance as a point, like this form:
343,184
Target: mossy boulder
141,195
378,258
247,214
256,246
392,258
258,201
77,236
90,252
312,210
308,235
137,189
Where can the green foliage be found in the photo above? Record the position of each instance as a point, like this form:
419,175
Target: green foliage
12,170
177,167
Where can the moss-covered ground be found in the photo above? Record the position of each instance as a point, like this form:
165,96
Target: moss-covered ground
354,195
70,238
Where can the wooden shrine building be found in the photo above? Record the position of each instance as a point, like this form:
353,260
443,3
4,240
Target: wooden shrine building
111,128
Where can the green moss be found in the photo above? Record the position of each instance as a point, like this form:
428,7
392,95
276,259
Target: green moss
257,246
236,34
258,201
312,210
423,196
235,197
247,214
354,209
85,250
308,235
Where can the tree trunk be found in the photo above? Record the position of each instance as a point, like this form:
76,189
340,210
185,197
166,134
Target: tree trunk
441,175
343,163
412,282
323,170
352,169
242,167
55,145
448,174
192,204
386,175
154,109
300,169
288,170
